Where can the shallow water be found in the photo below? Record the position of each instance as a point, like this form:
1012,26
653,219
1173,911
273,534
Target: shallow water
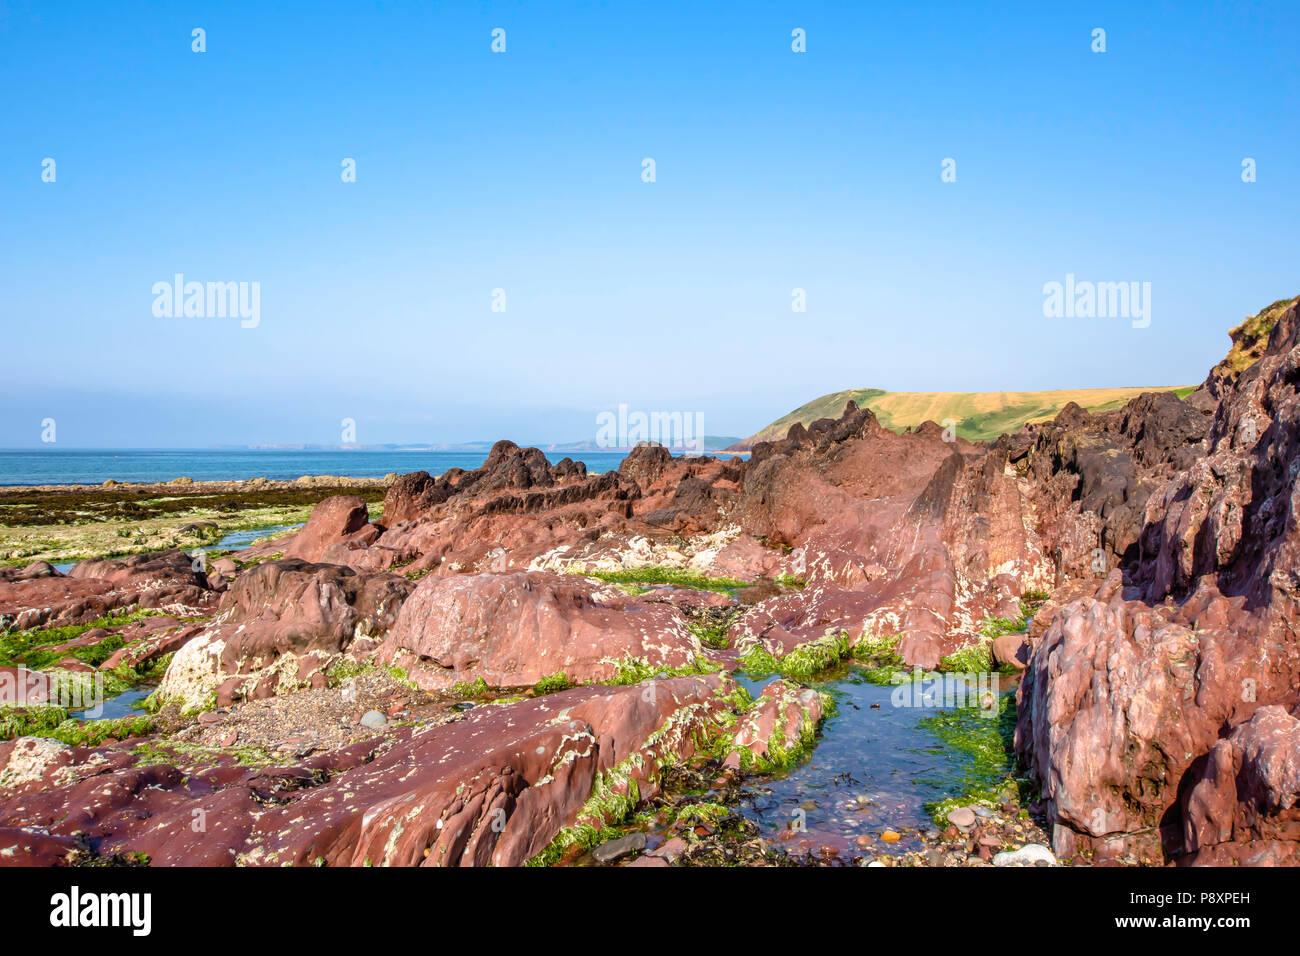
235,541
238,540
875,767
126,704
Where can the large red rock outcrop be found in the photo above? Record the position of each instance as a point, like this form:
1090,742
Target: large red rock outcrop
512,630
1089,476
493,788
334,524
906,535
912,535
278,628
1138,707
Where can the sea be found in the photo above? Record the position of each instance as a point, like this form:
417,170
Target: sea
58,466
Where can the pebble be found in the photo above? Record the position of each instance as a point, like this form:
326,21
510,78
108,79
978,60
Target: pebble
670,849
1030,853
615,849
373,719
890,836
961,817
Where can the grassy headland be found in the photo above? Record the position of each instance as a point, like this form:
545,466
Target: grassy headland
980,416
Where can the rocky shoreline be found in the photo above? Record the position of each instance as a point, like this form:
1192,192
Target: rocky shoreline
66,523
189,486
528,664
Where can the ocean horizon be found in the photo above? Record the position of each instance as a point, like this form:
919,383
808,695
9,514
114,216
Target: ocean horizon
68,466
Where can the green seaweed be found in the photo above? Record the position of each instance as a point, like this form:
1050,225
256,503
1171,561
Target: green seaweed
634,670
804,661
713,634
54,722
658,574
982,748
975,659
467,689
879,656
32,648
348,668
552,684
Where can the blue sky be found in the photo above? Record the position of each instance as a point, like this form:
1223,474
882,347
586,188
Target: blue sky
522,171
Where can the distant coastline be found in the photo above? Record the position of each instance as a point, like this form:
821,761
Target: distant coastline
54,466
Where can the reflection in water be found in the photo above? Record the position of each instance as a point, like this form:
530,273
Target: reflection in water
875,767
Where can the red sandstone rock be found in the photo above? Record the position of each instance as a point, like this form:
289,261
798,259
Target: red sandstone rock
20,687
1012,650
38,597
333,522
1090,475
147,644
906,535
495,787
1128,704
1242,808
512,630
278,625
162,569
782,720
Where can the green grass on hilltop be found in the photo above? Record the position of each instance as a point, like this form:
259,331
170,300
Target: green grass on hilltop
980,416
